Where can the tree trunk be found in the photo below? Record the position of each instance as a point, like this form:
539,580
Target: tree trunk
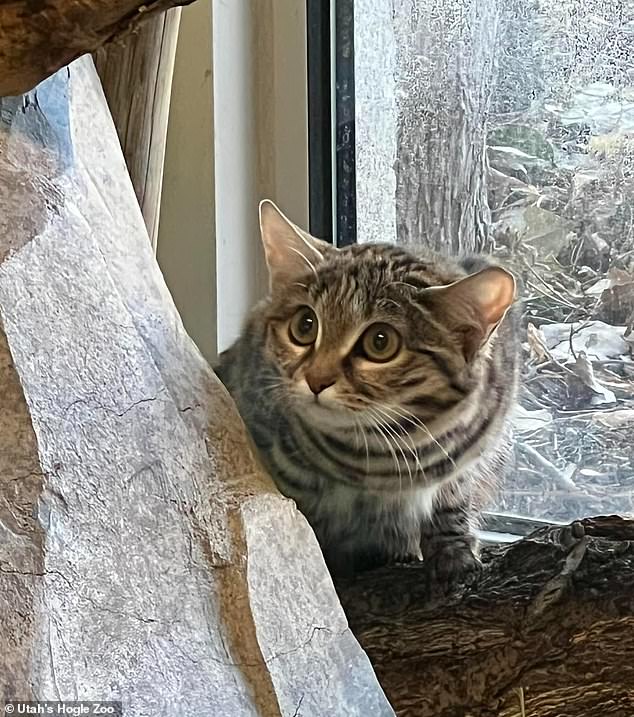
143,555
38,38
136,74
549,622
445,63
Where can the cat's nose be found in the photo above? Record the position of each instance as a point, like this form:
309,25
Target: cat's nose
317,384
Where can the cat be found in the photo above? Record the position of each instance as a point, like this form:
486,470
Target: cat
377,387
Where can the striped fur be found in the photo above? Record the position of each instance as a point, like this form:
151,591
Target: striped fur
394,458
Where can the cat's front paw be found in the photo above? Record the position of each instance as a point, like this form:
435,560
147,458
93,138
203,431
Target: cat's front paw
449,566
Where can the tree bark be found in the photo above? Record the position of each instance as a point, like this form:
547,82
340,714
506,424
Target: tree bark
39,38
444,76
136,74
144,557
550,621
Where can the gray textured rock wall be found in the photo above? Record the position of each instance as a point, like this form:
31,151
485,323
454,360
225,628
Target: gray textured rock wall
143,554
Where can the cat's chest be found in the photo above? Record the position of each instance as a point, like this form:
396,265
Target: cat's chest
358,520
344,509
358,503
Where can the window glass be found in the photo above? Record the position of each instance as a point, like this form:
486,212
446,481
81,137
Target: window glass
509,128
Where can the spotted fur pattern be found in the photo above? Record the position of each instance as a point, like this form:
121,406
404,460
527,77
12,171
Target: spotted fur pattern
395,459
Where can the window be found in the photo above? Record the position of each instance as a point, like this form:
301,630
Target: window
506,128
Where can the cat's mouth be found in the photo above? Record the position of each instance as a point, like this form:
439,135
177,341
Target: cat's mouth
328,406
321,403
326,402
327,409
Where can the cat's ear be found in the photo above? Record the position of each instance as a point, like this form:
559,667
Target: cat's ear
476,305
290,252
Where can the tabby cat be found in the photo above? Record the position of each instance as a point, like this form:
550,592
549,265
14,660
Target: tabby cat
377,386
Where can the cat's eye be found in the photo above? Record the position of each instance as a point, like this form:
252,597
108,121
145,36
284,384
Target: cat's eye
380,343
303,327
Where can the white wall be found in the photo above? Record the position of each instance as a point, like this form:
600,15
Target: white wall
186,241
251,56
236,165
261,141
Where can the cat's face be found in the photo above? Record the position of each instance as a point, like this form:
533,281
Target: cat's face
372,329
352,336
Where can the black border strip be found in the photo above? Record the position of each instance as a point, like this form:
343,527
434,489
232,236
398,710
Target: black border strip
320,176
346,176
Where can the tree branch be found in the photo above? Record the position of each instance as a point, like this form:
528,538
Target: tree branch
549,621
37,38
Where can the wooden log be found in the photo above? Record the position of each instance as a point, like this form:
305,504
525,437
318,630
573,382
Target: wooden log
136,73
144,557
38,38
547,628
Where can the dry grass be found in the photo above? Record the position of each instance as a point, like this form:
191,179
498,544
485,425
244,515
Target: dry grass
575,269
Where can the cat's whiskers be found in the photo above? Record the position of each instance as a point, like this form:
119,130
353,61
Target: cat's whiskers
390,432
399,440
358,428
413,419
414,451
276,387
375,425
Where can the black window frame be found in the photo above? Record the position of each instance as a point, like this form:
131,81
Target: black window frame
331,112
320,171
